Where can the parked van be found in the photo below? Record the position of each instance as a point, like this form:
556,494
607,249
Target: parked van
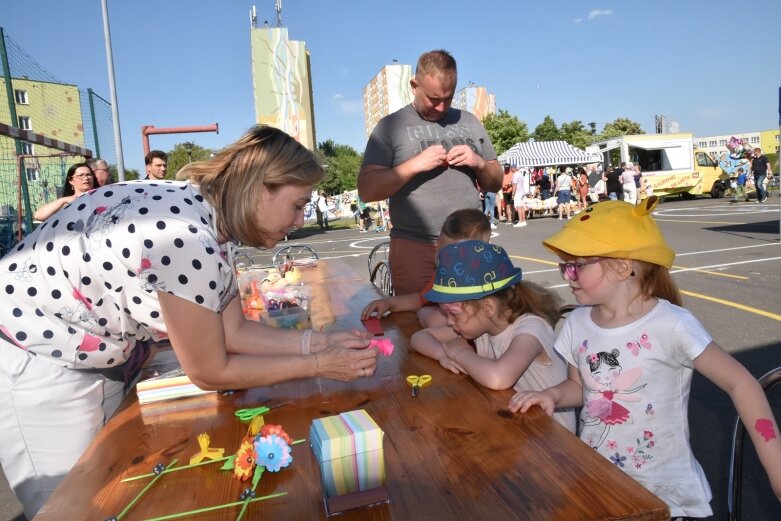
669,162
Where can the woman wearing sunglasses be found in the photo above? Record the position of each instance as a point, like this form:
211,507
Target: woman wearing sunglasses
78,182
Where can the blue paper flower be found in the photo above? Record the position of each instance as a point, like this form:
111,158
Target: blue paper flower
273,452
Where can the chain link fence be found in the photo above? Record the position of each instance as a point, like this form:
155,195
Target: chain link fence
33,99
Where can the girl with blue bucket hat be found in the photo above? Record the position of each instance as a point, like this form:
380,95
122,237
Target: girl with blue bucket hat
510,321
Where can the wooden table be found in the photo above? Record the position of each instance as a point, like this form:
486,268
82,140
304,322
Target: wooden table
454,452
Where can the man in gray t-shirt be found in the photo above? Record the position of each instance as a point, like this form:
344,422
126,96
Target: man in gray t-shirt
428,158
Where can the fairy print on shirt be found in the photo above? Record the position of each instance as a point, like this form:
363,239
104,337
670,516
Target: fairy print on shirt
606,383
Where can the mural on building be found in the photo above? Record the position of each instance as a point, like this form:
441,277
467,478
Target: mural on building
282,83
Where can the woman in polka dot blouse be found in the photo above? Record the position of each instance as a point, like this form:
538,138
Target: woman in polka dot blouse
149,260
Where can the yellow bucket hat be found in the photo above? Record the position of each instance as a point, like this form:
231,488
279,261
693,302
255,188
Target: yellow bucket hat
614,229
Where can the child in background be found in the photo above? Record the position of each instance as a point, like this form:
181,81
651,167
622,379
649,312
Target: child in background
739,191
510,320
459,225
631,349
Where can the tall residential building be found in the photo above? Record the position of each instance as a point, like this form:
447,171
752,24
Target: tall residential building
52,110
390,90
476,100
282,83
386,93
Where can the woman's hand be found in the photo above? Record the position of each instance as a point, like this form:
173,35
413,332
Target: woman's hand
354,339
346,361
523,400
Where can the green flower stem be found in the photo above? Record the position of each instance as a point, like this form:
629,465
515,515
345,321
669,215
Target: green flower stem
296,442
211,509
143,491
151,474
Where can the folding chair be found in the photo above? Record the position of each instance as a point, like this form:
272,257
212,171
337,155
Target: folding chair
768,382
297,254
381,278
379,268
379,253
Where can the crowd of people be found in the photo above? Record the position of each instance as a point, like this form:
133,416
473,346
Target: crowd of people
153,260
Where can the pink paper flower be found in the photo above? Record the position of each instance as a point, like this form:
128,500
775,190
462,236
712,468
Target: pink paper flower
384,346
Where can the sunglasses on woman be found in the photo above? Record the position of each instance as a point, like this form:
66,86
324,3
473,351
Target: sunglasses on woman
571,270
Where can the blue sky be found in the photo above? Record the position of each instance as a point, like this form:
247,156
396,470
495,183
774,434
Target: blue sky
712,65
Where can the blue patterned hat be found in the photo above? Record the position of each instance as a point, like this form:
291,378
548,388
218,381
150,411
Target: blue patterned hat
469,270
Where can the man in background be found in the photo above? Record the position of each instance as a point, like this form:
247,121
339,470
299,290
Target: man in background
100,169
428,158
156,163
759,167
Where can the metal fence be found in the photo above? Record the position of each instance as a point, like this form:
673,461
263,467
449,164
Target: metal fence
31,98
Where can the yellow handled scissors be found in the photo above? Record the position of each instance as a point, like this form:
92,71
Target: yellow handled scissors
417,382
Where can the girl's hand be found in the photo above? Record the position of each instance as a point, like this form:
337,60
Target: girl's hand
774,475
378,307
451,365
454,348
523,400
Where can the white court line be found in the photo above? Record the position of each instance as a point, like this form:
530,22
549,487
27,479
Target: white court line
712,266
728,249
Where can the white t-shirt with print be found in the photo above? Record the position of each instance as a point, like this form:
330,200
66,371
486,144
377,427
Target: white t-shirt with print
82,288
636,383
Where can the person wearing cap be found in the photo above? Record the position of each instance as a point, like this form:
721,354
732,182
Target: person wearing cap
631,350
510,321
428,159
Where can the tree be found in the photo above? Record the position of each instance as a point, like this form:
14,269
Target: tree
547,130
505,130
576,134
179,156
621,127
341,163
131,174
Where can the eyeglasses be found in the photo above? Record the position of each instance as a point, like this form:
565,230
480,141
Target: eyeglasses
571,270
83,176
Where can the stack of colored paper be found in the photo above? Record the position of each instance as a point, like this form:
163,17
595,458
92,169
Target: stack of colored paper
352,463
167,386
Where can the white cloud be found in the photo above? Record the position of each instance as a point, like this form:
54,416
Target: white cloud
595,13
577,20
347,106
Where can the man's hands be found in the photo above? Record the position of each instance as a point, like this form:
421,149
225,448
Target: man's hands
463,155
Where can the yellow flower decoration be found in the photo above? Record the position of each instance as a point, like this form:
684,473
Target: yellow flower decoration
255,425
205,452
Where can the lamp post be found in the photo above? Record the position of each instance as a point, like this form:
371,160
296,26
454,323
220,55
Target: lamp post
188,147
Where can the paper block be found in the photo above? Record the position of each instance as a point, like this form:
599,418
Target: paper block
352,463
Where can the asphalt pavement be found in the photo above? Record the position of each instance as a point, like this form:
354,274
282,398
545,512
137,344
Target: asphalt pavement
728,266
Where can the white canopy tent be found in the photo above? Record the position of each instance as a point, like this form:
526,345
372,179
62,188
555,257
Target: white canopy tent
547,153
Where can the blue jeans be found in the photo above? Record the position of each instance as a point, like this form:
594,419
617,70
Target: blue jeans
489,204
759,182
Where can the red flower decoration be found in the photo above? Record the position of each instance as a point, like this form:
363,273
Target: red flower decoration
269,429
245,460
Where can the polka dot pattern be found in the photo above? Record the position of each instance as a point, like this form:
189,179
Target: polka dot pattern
89,291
